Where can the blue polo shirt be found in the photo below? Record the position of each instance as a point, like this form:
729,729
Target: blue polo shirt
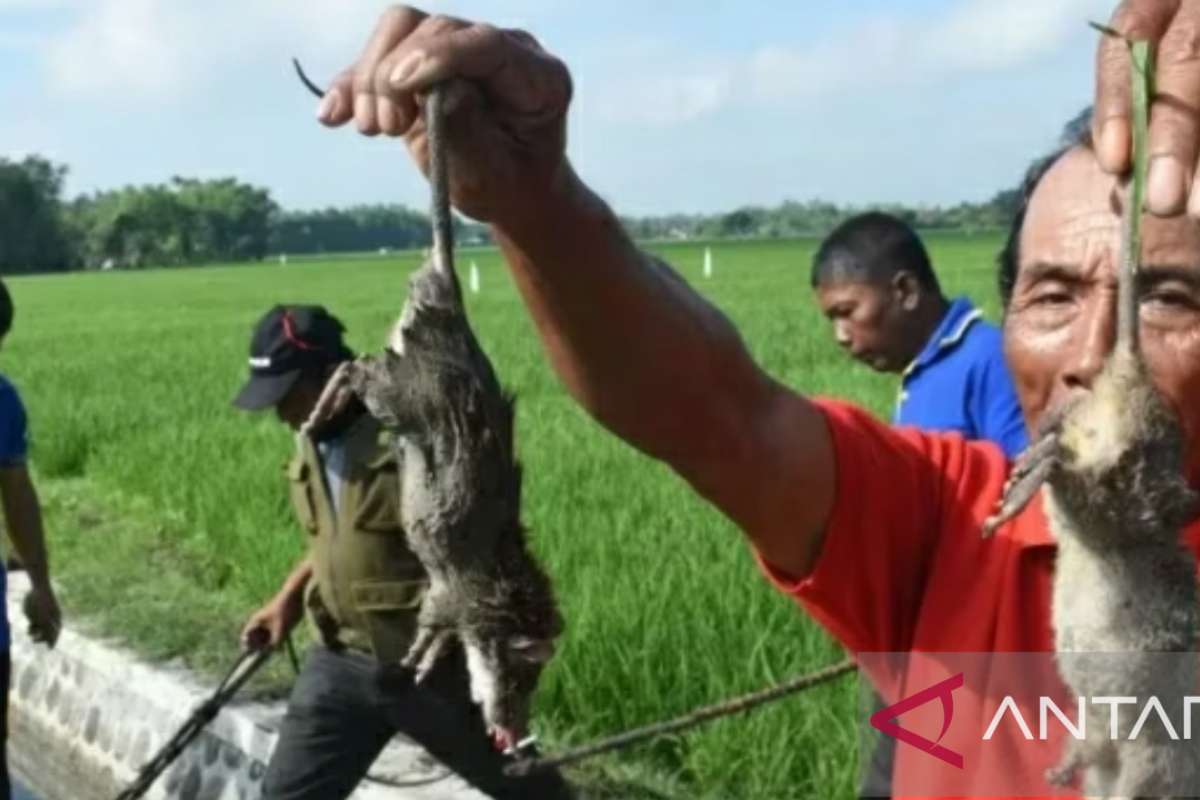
960,382
14,449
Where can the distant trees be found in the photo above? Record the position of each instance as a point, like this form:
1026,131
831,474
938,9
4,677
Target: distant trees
188,221
33,233
185,221
814,218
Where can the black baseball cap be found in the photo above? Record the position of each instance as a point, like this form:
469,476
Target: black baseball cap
289,341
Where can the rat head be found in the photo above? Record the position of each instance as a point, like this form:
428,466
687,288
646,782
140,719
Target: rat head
504,673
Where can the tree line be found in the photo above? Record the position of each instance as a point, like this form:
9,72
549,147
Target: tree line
187,221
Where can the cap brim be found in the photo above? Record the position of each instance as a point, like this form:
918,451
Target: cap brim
264,391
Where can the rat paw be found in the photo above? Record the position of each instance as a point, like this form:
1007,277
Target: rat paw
1029,472
334,397
1061,777
428,647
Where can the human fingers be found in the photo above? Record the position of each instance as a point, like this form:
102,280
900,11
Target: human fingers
46,621
1112,116
508,65
399,108
265,629
1174,135
53,627
397,24
257,638
350,94
251,629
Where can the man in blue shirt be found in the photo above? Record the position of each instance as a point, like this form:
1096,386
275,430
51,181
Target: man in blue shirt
875,283
23,523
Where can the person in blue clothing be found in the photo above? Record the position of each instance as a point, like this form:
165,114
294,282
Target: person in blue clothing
23,523
875,283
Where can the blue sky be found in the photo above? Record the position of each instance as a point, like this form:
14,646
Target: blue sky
676,108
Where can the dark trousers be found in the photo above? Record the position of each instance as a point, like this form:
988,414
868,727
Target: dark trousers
877,781
339,719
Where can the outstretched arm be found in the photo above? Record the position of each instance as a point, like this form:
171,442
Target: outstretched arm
654,362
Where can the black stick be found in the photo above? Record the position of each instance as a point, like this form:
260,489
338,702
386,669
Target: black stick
312,87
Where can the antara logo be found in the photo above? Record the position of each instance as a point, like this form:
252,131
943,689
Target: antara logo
881,720
1046,704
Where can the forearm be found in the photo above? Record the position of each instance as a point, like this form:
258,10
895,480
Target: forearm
23,518
665,370
643,352
293,586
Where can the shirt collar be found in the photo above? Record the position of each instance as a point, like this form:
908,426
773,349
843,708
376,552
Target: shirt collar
958,318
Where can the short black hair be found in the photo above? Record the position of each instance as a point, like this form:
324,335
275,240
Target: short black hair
1076,133
6,310
871,246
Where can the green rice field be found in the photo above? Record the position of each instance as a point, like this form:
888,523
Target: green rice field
168,520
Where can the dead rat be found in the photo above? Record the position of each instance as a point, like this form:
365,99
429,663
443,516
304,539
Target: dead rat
435,390
1126,595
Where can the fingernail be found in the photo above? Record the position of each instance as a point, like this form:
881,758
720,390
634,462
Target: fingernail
406,68
1113,144
1165,188
328,106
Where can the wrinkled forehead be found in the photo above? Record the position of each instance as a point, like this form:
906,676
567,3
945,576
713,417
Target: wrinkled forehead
1074,221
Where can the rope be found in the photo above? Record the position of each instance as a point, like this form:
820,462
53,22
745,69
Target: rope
702,715
246,665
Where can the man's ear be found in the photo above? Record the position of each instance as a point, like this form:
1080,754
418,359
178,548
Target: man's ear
907,290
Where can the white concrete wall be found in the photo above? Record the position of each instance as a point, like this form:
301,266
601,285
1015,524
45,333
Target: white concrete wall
87,715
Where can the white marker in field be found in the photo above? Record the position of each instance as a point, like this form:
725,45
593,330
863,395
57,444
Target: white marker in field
474,278
708,262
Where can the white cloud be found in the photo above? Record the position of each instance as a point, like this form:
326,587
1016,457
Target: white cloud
35,5
157,50
163,50
21,40
132,46
970,37
998,34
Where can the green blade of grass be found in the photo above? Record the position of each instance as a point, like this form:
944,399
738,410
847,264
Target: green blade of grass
1142,89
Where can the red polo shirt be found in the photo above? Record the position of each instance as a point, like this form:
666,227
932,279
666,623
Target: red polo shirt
905,568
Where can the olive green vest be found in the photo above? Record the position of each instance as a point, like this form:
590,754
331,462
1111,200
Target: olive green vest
367,585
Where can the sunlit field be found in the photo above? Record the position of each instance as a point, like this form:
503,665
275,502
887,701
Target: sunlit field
168,518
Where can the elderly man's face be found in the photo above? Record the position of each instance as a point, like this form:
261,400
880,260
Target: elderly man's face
1061,320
